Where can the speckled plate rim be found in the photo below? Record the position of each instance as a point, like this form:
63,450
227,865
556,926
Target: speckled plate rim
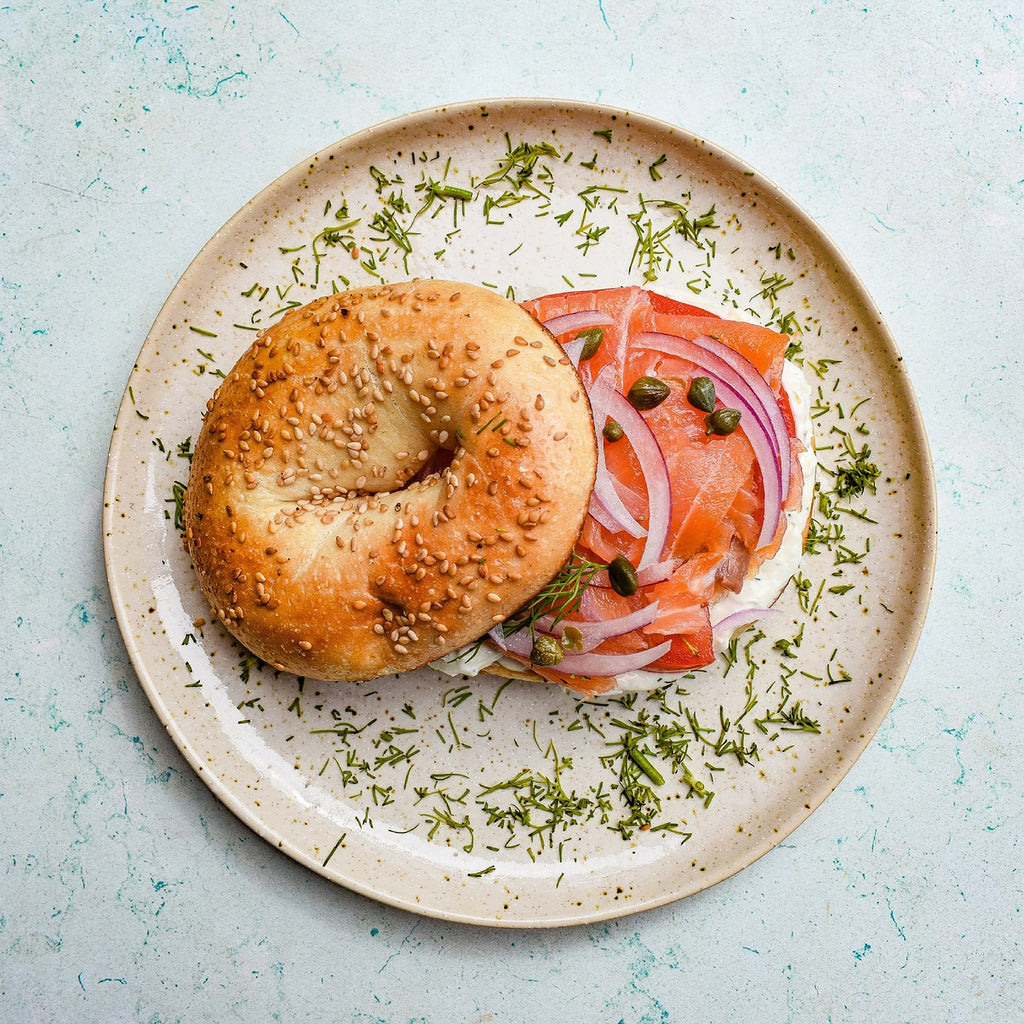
880,707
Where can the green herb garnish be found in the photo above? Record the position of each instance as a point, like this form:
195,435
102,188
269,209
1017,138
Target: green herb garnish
559,598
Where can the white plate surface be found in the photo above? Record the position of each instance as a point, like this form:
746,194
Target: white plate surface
502,805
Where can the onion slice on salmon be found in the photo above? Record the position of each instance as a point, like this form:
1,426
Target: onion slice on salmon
650,456
733,370
581,321
559,326
594,664
605,504
593,632
614,519
645,577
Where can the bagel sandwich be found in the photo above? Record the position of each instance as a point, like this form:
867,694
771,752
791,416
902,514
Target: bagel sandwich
591,489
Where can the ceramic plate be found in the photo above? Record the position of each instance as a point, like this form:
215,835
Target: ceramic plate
517,804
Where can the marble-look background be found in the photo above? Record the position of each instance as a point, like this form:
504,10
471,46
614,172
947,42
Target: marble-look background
129,131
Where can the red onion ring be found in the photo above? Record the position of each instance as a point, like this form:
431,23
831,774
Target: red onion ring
651,458
739,373
752,377
574,349
621,522
646,577
611,665
596,632
591,663
732,370
744,617
561,325
605,504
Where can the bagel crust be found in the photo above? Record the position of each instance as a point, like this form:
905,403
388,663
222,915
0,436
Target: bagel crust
385,475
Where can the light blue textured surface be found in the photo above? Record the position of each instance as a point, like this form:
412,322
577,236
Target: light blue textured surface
128,133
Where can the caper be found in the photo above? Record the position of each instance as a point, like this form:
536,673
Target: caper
723,421
701,394
547,651
592,338
622,576
613,431
647,392
572,638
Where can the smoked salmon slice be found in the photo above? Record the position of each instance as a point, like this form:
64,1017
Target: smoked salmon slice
716,481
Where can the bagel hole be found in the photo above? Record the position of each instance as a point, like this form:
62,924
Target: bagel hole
438,461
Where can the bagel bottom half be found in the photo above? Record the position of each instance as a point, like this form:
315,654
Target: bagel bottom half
384,475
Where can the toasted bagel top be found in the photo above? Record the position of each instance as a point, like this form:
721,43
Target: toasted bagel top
386,474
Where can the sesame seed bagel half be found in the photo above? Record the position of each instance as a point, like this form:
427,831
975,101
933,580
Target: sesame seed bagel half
386,474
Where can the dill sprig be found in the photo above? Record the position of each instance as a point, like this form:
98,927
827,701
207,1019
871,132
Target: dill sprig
560,597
